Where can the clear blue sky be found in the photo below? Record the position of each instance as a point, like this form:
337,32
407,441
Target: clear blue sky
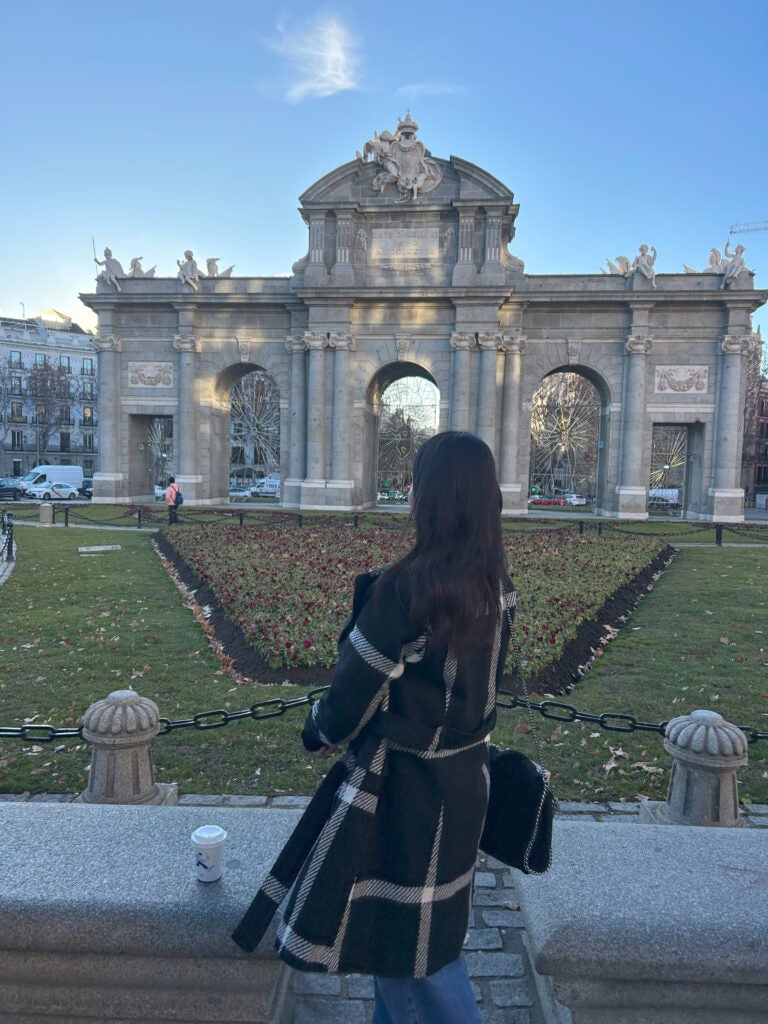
159,125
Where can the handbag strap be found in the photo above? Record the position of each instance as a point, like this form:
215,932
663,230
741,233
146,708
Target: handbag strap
515,645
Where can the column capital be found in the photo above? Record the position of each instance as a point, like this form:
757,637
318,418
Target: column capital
515,343
342,340
637,343
739,345
463,340
489,340
185,343
295,343
107,343
316,340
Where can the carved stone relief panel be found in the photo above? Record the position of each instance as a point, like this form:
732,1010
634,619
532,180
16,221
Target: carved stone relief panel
150,375
681,379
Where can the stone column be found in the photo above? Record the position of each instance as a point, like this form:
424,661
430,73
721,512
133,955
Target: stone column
513,493
726,496
297,437
185,445
108,482
492,271
120,728
489,343
315,269
461,342
313,487
342,344
632,488
342,268
465,269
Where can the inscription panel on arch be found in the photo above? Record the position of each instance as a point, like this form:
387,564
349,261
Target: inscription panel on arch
150,375
395,246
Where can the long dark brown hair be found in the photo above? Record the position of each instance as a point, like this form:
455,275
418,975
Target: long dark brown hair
457,563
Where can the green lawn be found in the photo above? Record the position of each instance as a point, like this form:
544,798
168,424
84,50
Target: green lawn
76,626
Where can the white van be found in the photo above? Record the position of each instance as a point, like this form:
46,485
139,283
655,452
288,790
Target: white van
49,474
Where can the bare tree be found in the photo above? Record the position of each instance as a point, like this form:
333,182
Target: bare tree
49,395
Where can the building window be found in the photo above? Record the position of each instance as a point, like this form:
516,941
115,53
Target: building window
16,464
64,363
88,367
17,416
15,360
39,359
87,415
15,384
17,445
41,413
64,441
89,392
88,442
88,467
64,414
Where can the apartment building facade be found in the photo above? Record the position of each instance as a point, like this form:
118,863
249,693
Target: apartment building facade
48,394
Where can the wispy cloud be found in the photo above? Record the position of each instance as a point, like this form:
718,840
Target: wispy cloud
323,57
430,89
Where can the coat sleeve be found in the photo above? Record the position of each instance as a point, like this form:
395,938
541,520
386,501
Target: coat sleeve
372,650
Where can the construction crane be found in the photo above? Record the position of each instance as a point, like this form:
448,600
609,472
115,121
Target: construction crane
759,225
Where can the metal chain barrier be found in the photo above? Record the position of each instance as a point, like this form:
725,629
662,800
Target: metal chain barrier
555,710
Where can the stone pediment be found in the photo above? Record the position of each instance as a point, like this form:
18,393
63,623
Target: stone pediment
353,185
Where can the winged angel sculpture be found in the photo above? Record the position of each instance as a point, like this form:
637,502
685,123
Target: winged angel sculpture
403,160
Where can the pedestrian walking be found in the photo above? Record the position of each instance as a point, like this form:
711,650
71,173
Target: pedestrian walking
377,877
172,495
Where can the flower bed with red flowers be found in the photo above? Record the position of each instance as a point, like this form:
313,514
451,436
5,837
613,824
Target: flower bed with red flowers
278,594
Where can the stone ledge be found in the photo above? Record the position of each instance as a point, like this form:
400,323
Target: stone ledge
95,878
630,920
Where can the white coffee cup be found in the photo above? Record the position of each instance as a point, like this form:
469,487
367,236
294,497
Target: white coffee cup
208,843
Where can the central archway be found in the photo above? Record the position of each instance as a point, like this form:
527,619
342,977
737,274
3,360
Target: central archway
245,423
402,410
570,415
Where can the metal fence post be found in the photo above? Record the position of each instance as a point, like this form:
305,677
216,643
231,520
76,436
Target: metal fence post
138,519
719,534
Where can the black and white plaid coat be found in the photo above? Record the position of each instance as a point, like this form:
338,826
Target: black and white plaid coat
377,876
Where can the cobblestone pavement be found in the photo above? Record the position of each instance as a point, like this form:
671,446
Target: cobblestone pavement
504,982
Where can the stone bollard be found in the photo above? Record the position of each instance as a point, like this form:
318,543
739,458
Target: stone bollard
703,788
46,513
120,728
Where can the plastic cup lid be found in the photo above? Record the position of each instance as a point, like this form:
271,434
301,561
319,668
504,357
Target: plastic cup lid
208,835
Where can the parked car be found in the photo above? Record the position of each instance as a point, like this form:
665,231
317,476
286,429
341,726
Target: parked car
86,488
659,504
575,499
9,489
52,491
540,500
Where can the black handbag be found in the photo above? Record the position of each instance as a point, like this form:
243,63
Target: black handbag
521,808
518,822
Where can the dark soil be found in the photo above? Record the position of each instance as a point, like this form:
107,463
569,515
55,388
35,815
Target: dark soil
557,678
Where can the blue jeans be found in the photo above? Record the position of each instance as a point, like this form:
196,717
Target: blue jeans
442,998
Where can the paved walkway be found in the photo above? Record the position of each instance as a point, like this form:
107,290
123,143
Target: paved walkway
506,986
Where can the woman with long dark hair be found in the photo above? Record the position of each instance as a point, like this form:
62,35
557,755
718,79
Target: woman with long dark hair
378,874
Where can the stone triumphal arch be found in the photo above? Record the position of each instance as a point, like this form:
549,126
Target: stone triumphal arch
408,272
